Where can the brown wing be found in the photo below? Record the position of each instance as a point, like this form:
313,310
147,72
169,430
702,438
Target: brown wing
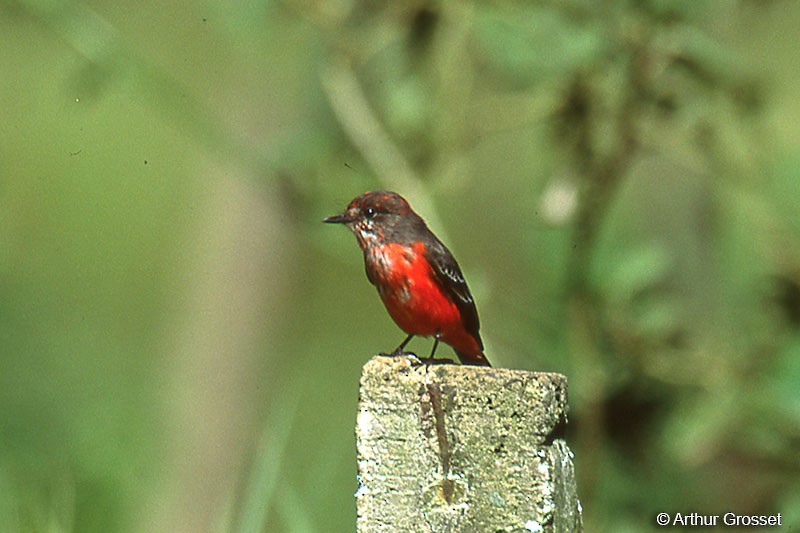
452,281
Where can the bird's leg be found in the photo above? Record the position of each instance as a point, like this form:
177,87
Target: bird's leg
430,360
435,345
399,349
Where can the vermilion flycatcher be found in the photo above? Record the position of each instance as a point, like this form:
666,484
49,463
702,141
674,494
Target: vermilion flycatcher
417,277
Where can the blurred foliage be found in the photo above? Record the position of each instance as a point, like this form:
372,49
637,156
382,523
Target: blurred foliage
181,338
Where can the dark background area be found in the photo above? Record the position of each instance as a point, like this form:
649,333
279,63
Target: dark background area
181,337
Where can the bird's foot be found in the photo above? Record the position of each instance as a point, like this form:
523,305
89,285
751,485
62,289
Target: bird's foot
398,353
431,361
415,359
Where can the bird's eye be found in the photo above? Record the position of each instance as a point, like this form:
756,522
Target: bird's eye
369,212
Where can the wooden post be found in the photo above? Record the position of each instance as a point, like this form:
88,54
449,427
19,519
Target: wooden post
446,448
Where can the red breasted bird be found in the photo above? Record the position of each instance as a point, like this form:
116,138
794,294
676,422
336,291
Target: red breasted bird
417,277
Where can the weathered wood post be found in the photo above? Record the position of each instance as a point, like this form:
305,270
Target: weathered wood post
447,448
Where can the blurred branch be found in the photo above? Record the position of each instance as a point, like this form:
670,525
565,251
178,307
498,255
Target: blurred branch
261,492
361,125
365,131
659,79
601,174
454,75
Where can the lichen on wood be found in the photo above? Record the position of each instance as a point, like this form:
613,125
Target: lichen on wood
461,448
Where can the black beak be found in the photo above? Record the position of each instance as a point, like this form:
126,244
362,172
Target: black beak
338,219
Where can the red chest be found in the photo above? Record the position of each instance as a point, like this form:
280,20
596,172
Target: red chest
408,287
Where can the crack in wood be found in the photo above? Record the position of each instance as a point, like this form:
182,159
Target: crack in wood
434,403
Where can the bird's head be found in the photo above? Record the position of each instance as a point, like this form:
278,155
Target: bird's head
370,215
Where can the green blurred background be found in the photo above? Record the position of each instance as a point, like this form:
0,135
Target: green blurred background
181,338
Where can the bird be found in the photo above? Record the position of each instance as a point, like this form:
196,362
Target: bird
417,278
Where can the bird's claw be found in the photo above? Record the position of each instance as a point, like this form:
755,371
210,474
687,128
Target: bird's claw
431,361
415,359
400,353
